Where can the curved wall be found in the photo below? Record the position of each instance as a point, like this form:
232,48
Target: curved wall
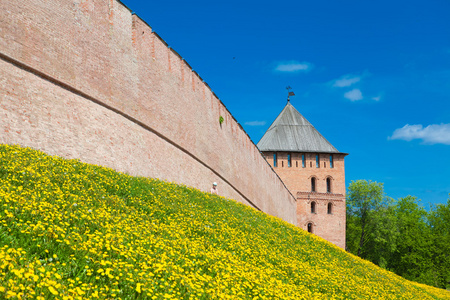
87,79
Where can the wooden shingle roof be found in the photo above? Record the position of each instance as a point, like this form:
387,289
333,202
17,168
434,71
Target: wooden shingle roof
292,132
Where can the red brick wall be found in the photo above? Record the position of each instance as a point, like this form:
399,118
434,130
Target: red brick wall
298,179
328,226
87,79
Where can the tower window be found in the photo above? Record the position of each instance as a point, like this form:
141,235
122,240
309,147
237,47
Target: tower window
328,185
313,184
330,208
275,160
289,160
282,164
331,160
296,164
317,161
313,207
310,225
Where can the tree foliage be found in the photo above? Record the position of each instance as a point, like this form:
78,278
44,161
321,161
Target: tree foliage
399,235
412,256
439,220
369,220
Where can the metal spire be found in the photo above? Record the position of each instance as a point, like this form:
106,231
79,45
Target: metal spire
290,93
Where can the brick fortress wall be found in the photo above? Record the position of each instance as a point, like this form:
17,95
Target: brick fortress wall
89,80
330,226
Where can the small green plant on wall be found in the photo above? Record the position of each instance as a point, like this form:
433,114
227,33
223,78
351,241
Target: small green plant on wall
220,120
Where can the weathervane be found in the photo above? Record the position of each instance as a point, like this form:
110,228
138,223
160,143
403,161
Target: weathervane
290,93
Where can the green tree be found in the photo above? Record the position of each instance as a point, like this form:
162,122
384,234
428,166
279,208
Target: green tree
399,235
440,234
383,238
412,256
371,222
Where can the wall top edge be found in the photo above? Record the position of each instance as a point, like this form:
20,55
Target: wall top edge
140,19
123,4
207,85
199,77
220,101
161,39
176,53
187,64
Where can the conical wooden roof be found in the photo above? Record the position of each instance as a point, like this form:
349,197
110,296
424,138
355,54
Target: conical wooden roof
291,132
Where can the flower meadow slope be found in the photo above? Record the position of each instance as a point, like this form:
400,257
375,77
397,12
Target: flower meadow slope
71,230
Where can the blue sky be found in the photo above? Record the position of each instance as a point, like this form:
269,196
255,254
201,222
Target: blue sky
372,76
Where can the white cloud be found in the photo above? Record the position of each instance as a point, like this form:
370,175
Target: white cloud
376,98
432,134
293,66
255,123
353,95
346,80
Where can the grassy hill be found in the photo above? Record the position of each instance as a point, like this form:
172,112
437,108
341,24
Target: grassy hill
71,230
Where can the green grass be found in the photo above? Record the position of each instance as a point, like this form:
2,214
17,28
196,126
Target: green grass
71,230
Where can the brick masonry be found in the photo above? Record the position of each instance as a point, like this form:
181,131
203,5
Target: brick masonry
87,79
327,224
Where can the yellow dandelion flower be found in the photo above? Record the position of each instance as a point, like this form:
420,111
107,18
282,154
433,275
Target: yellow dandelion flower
52,290
80,291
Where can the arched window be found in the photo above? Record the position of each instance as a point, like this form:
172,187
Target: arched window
317,161
275,160
330,208
289,160
313,184
310,227
328,185
313,207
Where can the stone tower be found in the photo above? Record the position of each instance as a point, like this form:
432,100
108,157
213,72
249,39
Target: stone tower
312,169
